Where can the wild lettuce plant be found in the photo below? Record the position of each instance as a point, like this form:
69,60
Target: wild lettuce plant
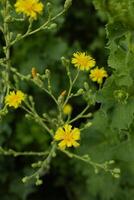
65,137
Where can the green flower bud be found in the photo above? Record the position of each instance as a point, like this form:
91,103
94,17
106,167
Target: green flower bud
52,26
48,4
47,72
111,162
96,170
36,165
67,4
116,175
19,35
38,182
87,157
64,61
80,92
116,170
25,179
86,86
88,125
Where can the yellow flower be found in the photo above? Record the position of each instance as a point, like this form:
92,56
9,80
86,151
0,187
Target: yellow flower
29,7
97,75
67,110
67,136
14,99
83,61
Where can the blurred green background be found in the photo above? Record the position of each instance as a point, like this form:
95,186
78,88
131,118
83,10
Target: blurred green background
81,29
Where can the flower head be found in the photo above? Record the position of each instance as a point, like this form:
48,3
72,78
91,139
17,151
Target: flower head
67,110
67,136
14,99
97,75
83,61
29,7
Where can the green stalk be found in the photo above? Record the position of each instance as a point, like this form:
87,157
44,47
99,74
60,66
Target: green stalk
6,33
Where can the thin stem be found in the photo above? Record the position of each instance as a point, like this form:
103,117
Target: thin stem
49,93
43,27
80,115
70,88
45,165
23,77
88,160
45,24
36,117
11,152
6,33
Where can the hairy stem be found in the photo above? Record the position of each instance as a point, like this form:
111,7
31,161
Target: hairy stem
6,33
11,152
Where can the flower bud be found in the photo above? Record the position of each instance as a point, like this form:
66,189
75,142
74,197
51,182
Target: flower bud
63,93
49,5
47,72
88,125
67,4
67,110
34,72
25,179
86,86
38,182
65,62
80,92
116,170
52,26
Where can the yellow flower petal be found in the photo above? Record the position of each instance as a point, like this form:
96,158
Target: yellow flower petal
97,75
67,128
83,61
76,144
76,134
59,134
62,145
14,99
31,8
68,136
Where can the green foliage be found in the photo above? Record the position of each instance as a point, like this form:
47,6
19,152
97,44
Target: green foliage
111,135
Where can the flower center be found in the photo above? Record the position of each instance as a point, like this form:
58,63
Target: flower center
16,99
83,61
98,74
29,7
68,137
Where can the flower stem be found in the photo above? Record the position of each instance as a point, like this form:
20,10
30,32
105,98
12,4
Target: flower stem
6,33
11,152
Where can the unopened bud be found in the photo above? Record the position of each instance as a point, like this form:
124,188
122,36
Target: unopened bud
25,179
86,86
19,35
67,4
116,170
38,182
80,92
47,72
111,162
65,61
49,5
88,124
63,93
52,26
34,72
